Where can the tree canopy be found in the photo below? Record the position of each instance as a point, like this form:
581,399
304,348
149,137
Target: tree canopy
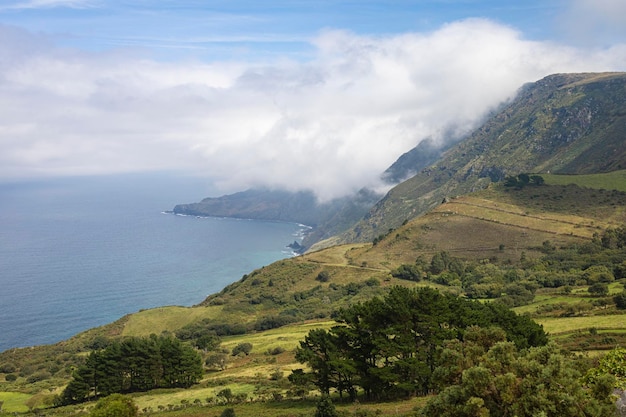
498,380
135,364
388,347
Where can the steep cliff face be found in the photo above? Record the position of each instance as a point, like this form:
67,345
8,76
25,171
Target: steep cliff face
564,123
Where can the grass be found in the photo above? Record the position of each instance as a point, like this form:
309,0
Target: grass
166,398
556,325
14,402
615,180
301,408
158,320
494,225
287,337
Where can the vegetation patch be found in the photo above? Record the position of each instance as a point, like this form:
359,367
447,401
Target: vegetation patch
14,402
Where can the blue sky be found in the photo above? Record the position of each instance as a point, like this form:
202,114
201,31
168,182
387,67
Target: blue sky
264,93
233,29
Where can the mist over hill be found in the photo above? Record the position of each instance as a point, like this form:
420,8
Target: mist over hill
564,123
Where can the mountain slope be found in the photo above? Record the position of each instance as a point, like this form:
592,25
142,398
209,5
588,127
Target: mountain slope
327,219
564,123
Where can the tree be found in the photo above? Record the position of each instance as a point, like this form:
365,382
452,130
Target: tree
537,180
115,405
388,347
319,349
216,360
208,342
135,364
226,394
620,300
325,408
407,272
524,178
613,363
599,288
505,381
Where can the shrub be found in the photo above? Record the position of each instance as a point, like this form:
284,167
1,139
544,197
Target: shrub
216,360
228,412
38,376
599,288
244,348
325,408
7,368
276,351
620,300
277,375
407,272
323,276
115,405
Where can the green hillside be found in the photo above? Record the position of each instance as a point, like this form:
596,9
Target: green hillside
566,123
552,250
502,239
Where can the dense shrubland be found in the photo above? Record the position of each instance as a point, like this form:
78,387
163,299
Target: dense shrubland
594,264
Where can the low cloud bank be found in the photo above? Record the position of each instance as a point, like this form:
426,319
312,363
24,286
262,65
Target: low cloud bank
332,124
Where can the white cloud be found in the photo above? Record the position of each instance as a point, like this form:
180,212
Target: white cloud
46,4
331,124
595,22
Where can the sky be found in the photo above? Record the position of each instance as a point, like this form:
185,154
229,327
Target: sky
300,95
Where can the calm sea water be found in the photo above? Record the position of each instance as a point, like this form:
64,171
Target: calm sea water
79,253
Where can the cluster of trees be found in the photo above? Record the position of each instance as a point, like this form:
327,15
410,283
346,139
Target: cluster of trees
594,264
484,375
134,364
388,347
523,180
477,280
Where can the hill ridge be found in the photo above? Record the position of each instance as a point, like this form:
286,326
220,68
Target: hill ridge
564,123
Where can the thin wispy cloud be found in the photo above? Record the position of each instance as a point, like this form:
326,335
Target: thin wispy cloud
47,4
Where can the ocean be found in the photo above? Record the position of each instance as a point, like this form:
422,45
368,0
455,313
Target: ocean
77,253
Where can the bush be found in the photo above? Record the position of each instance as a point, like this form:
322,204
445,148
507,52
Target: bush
620,300
598,288
228,412
216,360
277,375
38,376
407,272
276,351
323,276
325,408
7,368
10,377
115,405
244,348
273,322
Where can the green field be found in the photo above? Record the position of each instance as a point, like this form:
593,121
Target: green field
14,402
615,180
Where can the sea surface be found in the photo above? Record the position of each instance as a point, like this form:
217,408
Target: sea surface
82,252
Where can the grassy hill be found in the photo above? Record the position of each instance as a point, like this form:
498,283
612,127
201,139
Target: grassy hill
565,124
543,250
273,308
